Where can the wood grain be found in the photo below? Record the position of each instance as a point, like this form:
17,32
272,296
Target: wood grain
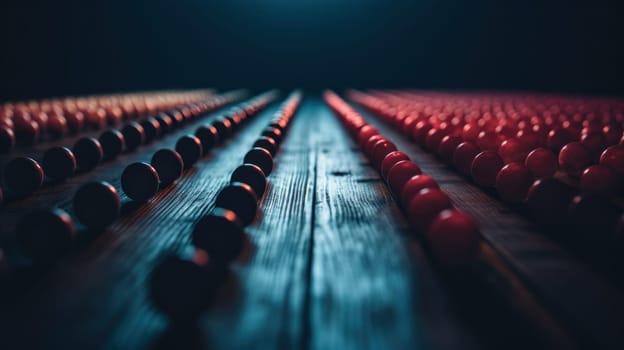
371,286
97,298
329,264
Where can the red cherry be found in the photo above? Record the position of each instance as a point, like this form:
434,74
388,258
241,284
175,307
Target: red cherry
75,121
470,132
57,126
454,238
5,122
390,160
488,141
548,201
447,147
512,150
408,125
400,173
574,158
529,139
96,119
7,139
506,130
365,133
594,142
434,138
368,145
463,156
613,157
419,133
599,179
415,185
557,138
612,134
513,182
27,132
380,150
354,126
425,206
541,162
485,166
42,119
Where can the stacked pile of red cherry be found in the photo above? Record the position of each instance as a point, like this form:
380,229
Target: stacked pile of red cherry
541,151
182,289
46,234
451,234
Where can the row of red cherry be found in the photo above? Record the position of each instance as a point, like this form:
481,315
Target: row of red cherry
515,106
482,152
28,123
452,235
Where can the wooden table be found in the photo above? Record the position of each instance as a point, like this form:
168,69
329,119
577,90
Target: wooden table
330,264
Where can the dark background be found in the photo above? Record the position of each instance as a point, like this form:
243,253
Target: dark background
66,47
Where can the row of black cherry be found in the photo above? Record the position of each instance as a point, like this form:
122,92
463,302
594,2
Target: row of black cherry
24,175
27,123
182,289
46,234
452,235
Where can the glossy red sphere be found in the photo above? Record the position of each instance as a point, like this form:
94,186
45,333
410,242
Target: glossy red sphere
485,166
557,138
57,126
594,142
368,145
27,132
365,133
489,141
612,134
464,155
419,132
434,138
454,238
470,132
390,160
513,182
613,157
529,139
512,151
599,179
541,162
380,150
425,206
408,125
447,147
415,185
400,173
574,158
7,139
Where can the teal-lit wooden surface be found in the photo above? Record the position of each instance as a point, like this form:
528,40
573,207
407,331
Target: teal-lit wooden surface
330,263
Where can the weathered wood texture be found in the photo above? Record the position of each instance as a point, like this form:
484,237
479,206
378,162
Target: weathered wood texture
367,291
329,264
97,298
584,301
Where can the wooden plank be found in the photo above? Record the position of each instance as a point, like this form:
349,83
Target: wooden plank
266,308
97,298
590,306
372,287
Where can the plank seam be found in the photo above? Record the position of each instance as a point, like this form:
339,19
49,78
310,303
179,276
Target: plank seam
307,302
